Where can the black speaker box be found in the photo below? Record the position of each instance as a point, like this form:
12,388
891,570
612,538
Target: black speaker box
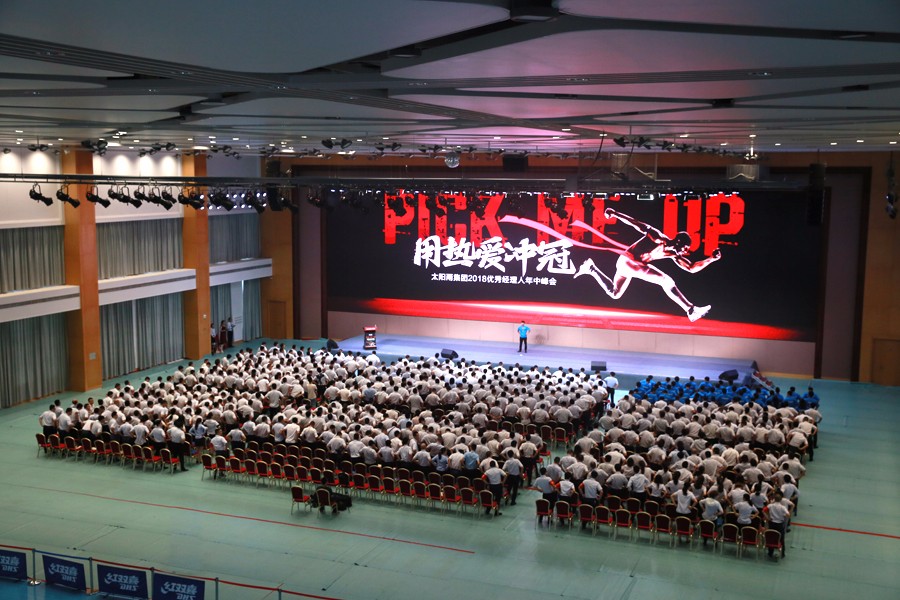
331,344
730,376
598,365
448,353
515,163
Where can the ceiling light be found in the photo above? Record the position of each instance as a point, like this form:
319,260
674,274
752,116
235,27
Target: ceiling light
36,194
833,144
6,151
860,141
752,135
36,147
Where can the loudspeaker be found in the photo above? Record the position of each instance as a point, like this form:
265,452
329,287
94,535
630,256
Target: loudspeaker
331,345
516,163
448,353
729,375
598,365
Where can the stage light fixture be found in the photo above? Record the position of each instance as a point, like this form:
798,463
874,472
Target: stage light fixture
38,147
156,198
94,198
621,142
36,194
125,196
62,194
220,199
396,146
170,146
196,200
140,195
6,151
345,143
328,143
168,197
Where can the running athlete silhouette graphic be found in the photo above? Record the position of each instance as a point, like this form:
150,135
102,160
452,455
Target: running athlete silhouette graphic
635,262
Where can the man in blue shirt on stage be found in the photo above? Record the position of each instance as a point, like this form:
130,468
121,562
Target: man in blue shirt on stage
523,336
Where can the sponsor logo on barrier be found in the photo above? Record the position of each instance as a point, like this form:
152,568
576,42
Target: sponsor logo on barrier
127,583
10,563
65,573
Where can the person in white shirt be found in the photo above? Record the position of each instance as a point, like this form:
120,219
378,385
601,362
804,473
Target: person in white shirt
612,384
778,512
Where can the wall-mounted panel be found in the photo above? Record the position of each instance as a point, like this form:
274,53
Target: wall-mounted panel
39,302
122,289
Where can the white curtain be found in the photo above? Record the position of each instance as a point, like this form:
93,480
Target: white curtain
31,257
33,358
136,247
160,330
252,310
219,304
233,237
117,339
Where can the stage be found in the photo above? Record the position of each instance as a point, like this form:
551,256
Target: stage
628,366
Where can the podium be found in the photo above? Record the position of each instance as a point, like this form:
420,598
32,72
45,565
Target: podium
369,342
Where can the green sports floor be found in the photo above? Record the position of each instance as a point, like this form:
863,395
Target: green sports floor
845,542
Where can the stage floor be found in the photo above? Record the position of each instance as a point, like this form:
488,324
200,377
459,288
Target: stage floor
632,365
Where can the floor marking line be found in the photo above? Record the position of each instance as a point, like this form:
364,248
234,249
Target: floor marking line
260,520
856,531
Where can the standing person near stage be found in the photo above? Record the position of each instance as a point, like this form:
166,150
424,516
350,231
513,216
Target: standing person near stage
523,336
612,384
636,262
229,329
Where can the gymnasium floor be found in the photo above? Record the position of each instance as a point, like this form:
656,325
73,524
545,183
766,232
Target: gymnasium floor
845,541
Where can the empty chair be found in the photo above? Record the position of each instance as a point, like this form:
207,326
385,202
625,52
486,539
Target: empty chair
360,483
434,494
750,539
564,513
633,505
652,507
488,503
730,535
290,474
561,436
588,517
450,496
250,469
235,465
613,503
542,510
57,446
389,488
276,473
603,516
468,499
684,527
166,459
128,455
262,472
149,458
420,492
43,443
298,497
406,491
623,521
433,477
663,524
643,521
708,532
772,541
375,485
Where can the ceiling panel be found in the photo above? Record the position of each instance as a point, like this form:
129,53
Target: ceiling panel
13,64
102,116
303,107
837,15
32,84
623,51
282,36
101,102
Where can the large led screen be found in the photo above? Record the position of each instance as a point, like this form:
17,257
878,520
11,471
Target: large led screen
728,264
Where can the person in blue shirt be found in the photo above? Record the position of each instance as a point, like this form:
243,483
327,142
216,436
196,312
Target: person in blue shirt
523,336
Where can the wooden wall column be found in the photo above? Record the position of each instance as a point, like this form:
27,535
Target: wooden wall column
276,292
80,243
195,239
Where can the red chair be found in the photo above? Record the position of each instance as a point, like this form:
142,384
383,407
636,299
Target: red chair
43,444
663,524
561,436
772,540
564,514
360,483
278,458
420,492
543,509
149,458
281,449
128,455
262,472
298,497
435,494
708,531
633,505
265,456
329,478
588,517
488,503
623,521
276,473
468,499
643,521
233,464
613,503
750,538
434,477
450,496
250,469
730,535
684,527
303,474
290,474
73,446
315,476
406,491
102,451
166,460
57,445
375,486
604,516
115,451
208,465
324,500
652,507
374,470
389,488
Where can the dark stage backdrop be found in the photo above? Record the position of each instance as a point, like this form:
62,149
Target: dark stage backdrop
511,257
